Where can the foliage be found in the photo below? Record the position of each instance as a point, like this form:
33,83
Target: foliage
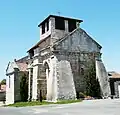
92,84
44,97
81,95
34,103
3,82
24,87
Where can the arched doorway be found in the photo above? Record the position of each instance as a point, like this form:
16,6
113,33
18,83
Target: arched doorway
47,69
42,80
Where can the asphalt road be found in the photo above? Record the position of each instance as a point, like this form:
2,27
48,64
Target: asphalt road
92,107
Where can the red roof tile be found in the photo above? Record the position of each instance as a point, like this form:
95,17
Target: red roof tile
22,66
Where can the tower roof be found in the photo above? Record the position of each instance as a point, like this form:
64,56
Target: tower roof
55,16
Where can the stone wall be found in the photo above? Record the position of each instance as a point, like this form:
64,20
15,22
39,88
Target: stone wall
54,33
57,34
116,84
65,82
77,48
38,75
42,81
102,76
35,77
80,50
45,43
50,68
30,84
78,41
79,64
10,89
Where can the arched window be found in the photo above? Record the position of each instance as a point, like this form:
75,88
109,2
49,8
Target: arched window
47,69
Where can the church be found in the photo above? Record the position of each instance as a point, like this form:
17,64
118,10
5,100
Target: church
57,64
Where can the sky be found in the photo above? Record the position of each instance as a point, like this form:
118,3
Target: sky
19,30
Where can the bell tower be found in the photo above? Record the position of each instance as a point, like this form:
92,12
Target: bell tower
57,27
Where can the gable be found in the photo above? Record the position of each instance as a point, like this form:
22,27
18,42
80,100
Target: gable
78,40
10,67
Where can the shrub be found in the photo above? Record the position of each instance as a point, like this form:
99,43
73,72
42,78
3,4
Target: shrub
92,84
81,95
44,97
3,82
24,87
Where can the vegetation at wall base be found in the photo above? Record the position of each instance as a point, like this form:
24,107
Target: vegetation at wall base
92,84
24,87
35,103
67,101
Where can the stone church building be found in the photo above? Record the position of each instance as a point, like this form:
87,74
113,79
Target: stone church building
58,62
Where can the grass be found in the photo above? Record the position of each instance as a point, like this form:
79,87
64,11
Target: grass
34,103
67,101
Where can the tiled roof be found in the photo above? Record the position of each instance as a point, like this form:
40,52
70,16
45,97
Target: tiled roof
23,59
40,43
63,17
114,75
22,66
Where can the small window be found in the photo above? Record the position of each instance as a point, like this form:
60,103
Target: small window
47,25
43,28
9,81
72,25
59,24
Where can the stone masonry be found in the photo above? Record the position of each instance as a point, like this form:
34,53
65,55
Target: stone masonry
57,64
60,59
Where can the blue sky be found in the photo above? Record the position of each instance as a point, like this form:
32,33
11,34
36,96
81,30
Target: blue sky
19,31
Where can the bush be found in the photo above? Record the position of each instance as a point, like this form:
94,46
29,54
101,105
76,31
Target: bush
81,95
3,82
44,97
92,84
24,87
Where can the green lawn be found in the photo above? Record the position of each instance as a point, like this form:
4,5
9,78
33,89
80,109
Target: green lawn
34,103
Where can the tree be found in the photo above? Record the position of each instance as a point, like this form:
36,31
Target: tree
24,87
92,83
3,82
